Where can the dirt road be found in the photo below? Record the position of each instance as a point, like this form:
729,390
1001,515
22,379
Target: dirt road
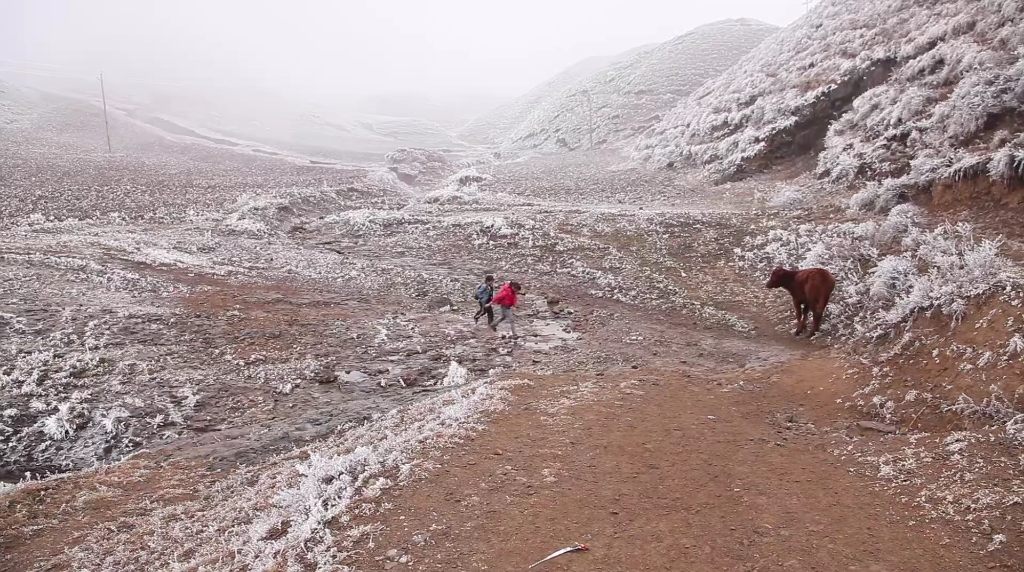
660,470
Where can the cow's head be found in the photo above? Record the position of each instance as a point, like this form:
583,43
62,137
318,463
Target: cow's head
777,278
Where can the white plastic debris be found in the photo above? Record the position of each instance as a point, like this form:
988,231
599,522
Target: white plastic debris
557,553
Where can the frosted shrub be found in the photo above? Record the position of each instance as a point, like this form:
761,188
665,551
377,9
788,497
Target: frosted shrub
864,201
788,198
939,269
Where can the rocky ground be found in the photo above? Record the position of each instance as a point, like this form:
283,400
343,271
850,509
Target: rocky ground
246,381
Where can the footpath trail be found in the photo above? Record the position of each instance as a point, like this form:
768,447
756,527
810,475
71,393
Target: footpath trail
664,470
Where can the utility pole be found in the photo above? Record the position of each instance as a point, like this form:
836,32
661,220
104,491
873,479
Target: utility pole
590,114
807,5
106,125
590,118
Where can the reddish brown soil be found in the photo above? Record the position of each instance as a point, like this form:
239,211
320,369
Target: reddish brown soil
649,480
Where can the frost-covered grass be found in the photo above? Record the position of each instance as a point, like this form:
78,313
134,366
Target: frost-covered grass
958,476
296,511
926,90
788,197
889,270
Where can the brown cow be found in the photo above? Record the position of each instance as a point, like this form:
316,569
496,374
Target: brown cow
810,289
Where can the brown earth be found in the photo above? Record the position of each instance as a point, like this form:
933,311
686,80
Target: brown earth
657,460
662,471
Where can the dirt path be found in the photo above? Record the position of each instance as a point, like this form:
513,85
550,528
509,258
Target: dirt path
657,470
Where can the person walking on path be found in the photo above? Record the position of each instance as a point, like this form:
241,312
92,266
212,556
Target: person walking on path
506,298
484,294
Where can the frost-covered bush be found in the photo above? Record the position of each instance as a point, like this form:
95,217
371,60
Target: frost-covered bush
925,90
889,271
788,198
462,187
411,164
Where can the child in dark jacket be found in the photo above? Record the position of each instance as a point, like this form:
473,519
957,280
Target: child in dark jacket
506,298
484,294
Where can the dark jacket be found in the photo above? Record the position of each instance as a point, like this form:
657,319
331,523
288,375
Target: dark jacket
484,293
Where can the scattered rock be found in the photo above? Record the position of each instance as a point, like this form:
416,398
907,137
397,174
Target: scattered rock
876,426
391,554
390,565
355,377
326,377
438,303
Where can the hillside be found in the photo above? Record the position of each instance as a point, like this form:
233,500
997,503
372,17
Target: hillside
345,130
897,97
630,96
494,126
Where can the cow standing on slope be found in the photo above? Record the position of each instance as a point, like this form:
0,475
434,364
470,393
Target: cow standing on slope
810,288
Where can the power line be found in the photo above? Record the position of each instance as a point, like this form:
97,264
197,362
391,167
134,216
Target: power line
34,72
118,80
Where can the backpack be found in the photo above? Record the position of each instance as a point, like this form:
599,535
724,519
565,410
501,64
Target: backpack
482,293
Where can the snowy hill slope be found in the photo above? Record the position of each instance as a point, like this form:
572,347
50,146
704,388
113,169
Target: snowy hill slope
494,126
241,118
896,95
630,96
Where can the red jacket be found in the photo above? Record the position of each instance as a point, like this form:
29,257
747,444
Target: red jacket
505,297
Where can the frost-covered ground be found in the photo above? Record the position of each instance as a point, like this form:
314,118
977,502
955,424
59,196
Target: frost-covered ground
298,337
903,97
167,302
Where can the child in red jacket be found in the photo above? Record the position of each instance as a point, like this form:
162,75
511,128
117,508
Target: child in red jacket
506,298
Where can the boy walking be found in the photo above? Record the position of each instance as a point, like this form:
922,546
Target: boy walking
507,297
484,294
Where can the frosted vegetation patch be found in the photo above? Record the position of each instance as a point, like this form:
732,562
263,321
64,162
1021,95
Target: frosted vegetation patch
296,511
890,270
788,197
925,91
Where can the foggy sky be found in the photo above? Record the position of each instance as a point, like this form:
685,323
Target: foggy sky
323,48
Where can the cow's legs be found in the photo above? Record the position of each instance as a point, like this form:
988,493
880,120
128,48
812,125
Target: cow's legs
801,317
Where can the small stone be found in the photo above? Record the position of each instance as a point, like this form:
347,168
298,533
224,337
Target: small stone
391,554
985,530
613,511
498,452
404,559
439,303
389,565
876,426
